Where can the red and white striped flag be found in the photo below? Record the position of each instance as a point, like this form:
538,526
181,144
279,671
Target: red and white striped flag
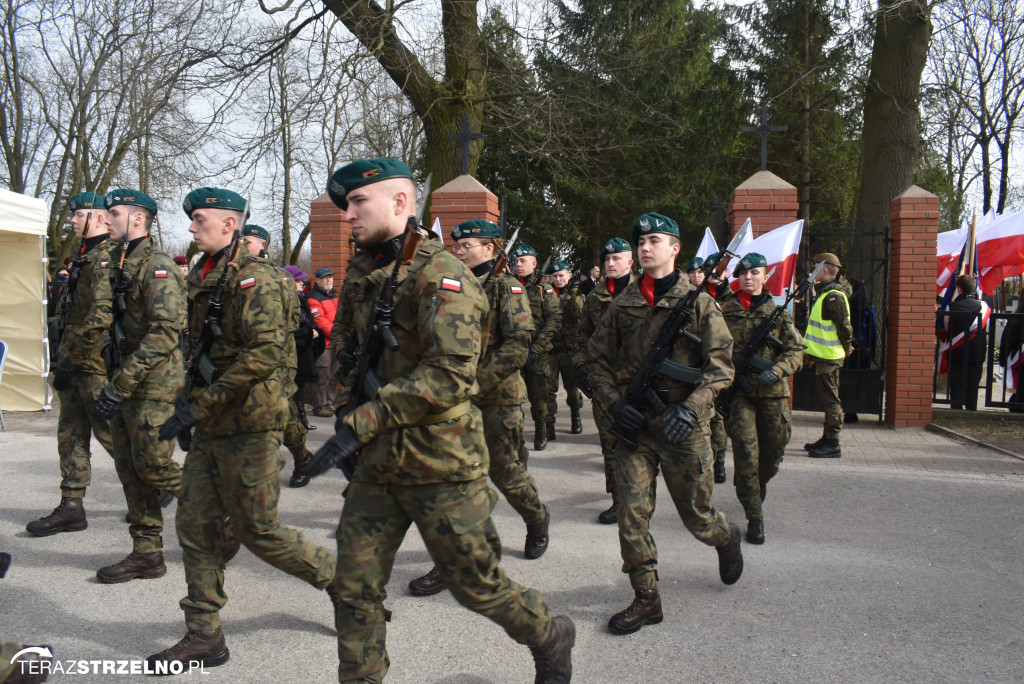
780,248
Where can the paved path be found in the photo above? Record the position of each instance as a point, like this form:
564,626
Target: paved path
899,562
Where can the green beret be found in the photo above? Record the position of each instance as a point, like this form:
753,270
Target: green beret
212,198
131,198
711,260
558,266
752,260
524,249
363,172
256,231
693,264
654,223
614,246
85,200
476,228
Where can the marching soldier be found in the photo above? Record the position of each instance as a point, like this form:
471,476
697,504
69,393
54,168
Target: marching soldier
617,256
415,452
507,328
759,422
237,406
718,436
673,437
829,339
563,348
80,373
148,295
547,316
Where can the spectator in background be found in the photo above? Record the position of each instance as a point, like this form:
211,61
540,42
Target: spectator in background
591,281
966,358
323,304
182,262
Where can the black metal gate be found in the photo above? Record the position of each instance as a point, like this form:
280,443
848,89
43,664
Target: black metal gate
865,258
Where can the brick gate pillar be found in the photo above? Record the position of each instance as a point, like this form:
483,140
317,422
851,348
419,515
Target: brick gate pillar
910,328
764,198
462,199
330,238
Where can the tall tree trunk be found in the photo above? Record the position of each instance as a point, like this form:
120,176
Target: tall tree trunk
890,145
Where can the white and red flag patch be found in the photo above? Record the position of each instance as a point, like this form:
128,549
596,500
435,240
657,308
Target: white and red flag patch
160,274
248,282
516,289
451,284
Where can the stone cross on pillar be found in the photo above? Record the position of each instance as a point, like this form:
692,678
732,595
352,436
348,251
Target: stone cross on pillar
764,129
463,138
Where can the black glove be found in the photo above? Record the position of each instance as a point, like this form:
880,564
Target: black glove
340,450
627,416
107,404
532,356
678,423
768,376
583,382
62,373
339,419
179,423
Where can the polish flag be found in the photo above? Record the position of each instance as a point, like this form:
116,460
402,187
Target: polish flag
950,244
1000,250
746,233
708,246
942,365
780,248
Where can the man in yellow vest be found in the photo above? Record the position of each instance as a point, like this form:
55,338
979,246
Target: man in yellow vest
829,339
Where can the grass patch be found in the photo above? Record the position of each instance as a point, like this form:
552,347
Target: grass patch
1004,430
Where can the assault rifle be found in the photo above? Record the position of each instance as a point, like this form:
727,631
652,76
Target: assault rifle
68,297
502,261
748,359
121,284
535,276
641,391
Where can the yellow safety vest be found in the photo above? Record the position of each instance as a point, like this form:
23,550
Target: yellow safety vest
821,336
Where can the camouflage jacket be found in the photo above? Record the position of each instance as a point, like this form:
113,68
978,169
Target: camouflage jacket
249,393
438,310
151,364
547,314
836,311
787,362
509,325
343,328
627,330
88,322
571,303
594,306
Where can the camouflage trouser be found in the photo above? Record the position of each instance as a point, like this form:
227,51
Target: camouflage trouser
454,519
826,380
604,424
295,431
562,365
503,431
539,380
688,476
718,437
760,429
75,426
145,467
237,475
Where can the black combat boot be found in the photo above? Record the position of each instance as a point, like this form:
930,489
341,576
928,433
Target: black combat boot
610,516
730,557
134,566
719,471
755,531
644,610
553,658
814,445
428,585
540,437
537,537
550,429
299,476
68,516
829,448
577,422
202,646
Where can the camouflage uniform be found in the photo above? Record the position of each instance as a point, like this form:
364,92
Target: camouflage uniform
759,421
234,461
149,376
563,349
547,317
424,461
617,350
294,430
87,333
509,327
594,307
826,371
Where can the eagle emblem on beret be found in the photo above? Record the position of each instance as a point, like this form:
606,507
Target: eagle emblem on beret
337,188
645,224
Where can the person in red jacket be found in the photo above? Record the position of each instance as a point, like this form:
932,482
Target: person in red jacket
323,304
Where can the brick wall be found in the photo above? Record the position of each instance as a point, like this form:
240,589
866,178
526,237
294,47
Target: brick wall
329,238
910,340
462,199
764,198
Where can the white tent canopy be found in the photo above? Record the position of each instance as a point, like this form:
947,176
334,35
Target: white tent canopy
23,304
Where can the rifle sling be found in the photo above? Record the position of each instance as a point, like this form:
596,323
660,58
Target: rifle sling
454,412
